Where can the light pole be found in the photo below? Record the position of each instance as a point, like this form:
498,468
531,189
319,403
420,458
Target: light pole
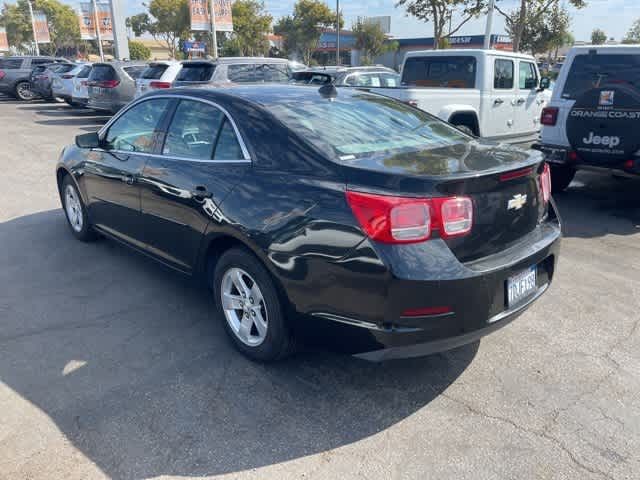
214,39
338,33
119,28
33,26
487,33
97,25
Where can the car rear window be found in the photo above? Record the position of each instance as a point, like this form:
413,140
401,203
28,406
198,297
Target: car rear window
135,72
593,71
440,72
103,72
154,72
196,72
311,78
365,125
84,73
11,63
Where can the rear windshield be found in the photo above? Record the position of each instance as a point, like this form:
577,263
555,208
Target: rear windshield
440,72
196,72
11,63
365,125
84,73
593,71
135,72
311,78
154,72
102,72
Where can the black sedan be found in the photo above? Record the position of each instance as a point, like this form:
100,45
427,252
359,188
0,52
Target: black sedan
344,217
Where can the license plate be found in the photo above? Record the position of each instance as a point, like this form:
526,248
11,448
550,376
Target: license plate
521,286
100,91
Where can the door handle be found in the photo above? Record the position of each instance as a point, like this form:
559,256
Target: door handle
520,101
128,179
498,101
201,193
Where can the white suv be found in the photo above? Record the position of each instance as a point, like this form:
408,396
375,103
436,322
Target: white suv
593,118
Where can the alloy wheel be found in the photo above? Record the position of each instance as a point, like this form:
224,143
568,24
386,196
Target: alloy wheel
73,208
24,91
244,307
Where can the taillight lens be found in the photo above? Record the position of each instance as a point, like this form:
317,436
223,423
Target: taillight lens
2,74
545,183
390,219
160,85
549,116
104,83
67,77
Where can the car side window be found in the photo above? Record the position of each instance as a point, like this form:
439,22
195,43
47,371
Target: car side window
40,61
503,75
228,147
135,129
241,73
528,78
193,131
272,73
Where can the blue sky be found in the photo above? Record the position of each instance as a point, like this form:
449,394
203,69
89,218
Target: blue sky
613,16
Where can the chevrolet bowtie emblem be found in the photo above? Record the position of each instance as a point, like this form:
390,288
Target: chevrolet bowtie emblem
517,202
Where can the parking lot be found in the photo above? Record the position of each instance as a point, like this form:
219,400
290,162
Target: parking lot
112,366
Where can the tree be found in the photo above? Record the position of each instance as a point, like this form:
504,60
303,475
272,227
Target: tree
62,21
633,35
251,25
440,13
598,37
543,33
530,11
169,21
138,51
371,40
302,30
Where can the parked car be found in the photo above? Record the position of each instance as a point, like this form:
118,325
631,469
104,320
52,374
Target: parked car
492,94
80,93
15,74
42,77
112,85
591,121
62,83
341,213
233,69
157,75
349,76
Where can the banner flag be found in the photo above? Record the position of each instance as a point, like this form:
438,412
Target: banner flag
201,19
4,41
41,26
86,21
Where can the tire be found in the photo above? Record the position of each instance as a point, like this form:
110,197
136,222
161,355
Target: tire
561,177
465,129
76,212
257,327
23,91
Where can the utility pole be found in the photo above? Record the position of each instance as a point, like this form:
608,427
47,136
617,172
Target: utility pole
33,26
487,33
338,33
214,39
119,28
97,25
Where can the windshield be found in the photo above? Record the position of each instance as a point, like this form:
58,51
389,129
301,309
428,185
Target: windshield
593,71
364,125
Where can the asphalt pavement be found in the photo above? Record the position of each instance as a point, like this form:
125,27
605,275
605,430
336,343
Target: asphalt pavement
114,367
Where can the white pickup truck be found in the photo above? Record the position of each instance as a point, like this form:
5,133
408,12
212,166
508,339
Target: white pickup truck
496,95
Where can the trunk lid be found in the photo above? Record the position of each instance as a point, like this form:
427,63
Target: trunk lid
502,182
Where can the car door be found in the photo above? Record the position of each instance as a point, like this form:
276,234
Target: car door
201,159
528,104
112,172
501,108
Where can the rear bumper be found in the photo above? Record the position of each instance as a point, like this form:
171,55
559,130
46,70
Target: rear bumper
80,101
366,317
560,156
101,106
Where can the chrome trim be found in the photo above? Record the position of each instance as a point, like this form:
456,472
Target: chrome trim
519,308
167,157
243,146
349,321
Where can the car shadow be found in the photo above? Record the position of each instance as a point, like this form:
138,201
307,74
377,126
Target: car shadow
73,121
126,358
597,204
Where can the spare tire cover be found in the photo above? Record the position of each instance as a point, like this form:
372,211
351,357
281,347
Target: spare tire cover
604,124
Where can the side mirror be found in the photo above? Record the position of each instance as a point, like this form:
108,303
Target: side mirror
88,140
545,83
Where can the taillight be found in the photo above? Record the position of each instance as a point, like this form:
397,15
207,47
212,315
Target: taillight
67,77
545,183
84,83
2,74
390,219
549,116
160,85
105,83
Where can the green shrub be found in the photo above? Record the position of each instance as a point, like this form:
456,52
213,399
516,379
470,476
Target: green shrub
138,51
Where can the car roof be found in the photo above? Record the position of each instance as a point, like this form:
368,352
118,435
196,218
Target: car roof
230,60
334,69
120,63
469,52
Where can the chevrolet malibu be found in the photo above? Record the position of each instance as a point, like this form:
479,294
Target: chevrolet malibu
321,214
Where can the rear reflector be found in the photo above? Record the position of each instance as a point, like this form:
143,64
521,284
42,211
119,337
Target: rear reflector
160,85
545,183
549,116
573,156
396,220
425,312
525,172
